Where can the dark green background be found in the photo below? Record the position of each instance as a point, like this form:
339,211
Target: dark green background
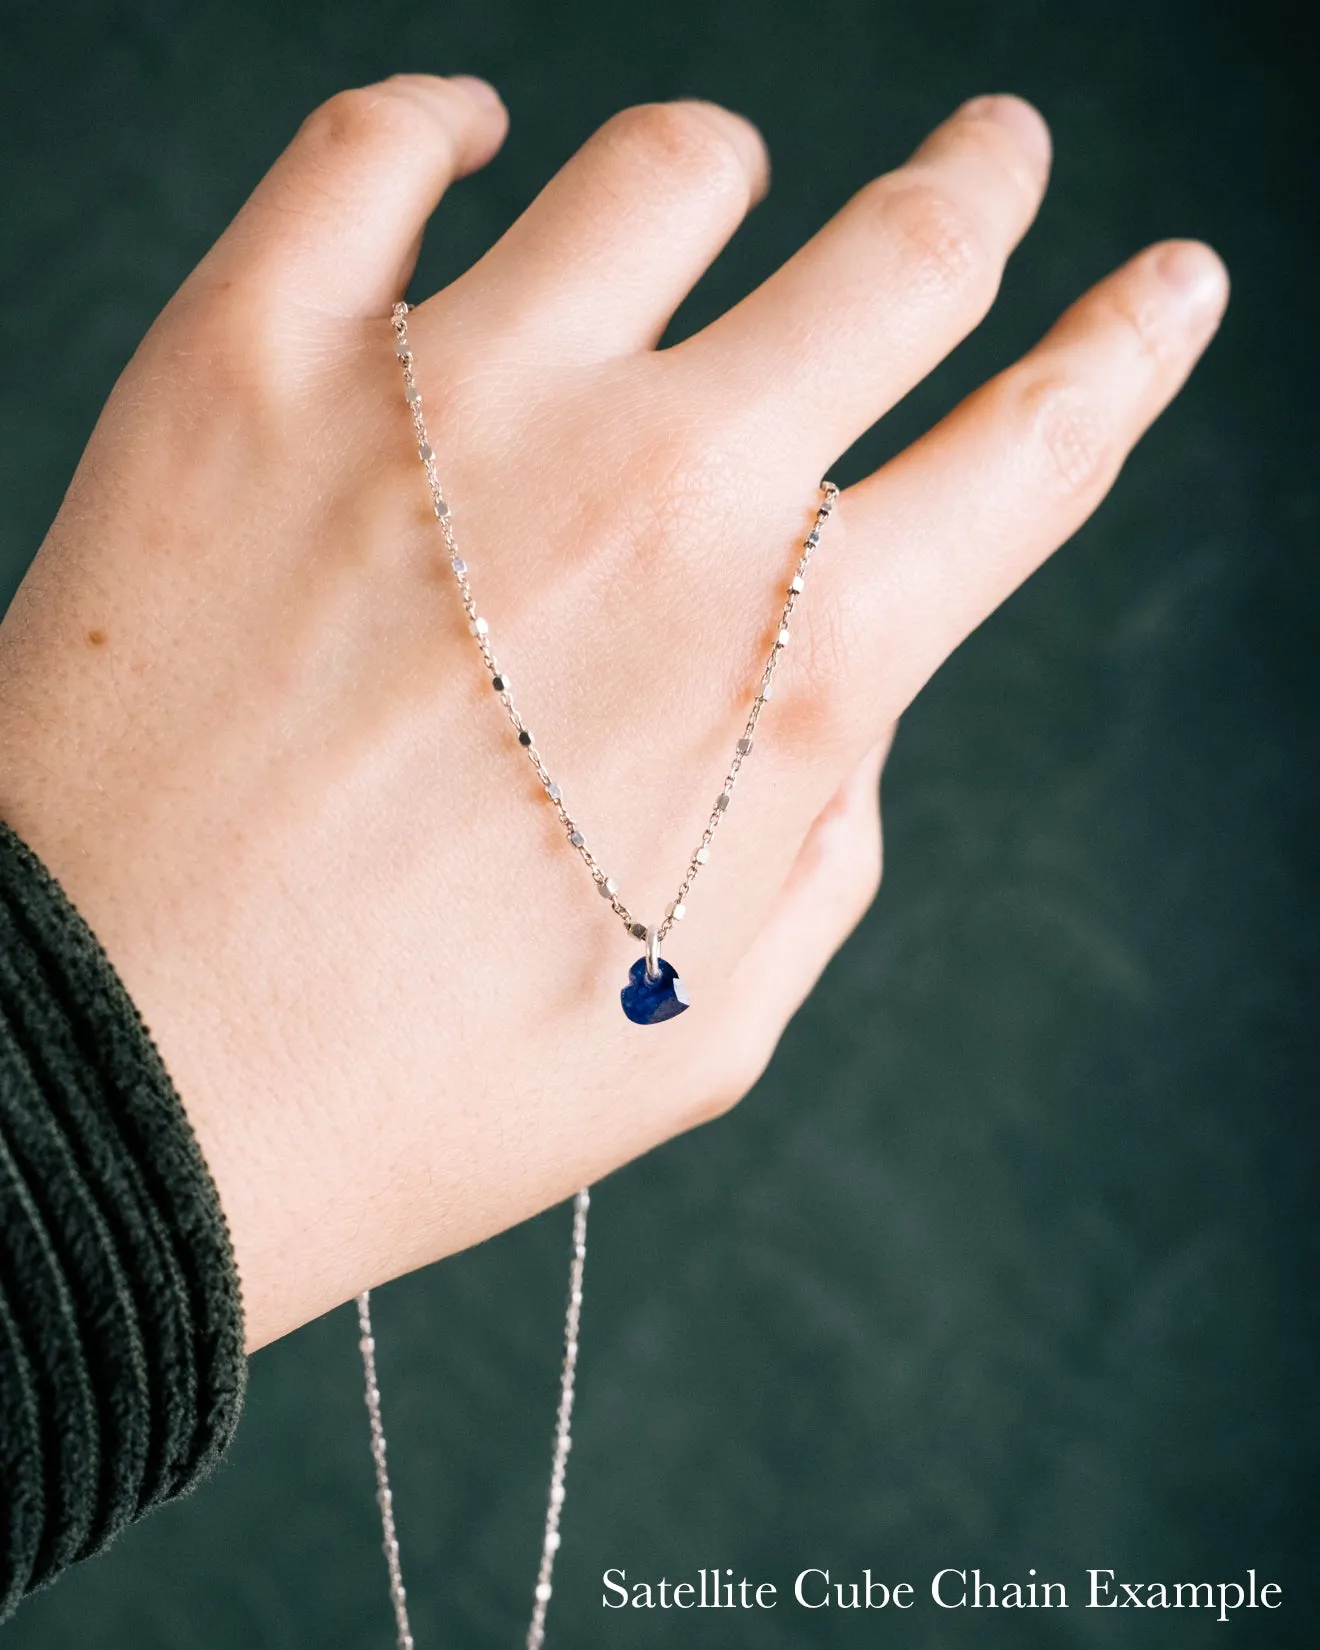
1010,1259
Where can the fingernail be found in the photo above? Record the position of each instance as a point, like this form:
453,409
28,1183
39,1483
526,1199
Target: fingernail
1016,116
1195,274
480,91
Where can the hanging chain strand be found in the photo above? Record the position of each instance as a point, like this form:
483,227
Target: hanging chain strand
384,1494
559,1463
499,680
554,1506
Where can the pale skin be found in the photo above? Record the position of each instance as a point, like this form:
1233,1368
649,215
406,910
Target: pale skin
243,722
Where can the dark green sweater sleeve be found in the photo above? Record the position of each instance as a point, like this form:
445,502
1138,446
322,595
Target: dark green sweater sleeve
121,1333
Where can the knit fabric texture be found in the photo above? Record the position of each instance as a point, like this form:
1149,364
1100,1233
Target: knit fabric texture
121,1331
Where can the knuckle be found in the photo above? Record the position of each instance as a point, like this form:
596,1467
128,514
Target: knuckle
366,116
871,870
1068,432
219,332
677,139
1139,312
865,866
943,245
247,343
229,344
848,856
692,473
817,714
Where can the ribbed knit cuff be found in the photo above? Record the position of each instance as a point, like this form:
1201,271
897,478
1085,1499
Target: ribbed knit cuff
121,1332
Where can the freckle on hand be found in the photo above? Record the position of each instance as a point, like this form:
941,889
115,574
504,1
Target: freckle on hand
96,637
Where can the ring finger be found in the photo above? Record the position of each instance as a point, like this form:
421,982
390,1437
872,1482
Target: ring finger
886,289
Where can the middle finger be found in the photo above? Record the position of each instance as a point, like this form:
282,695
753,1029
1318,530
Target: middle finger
885,290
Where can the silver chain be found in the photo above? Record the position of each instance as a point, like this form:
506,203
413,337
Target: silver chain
559,1462
554,1506
384,1494
605,884
608,889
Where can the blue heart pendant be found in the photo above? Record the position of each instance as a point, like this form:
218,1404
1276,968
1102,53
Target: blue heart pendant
647,1002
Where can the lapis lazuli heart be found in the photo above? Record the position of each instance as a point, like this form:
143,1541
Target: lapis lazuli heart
647,1002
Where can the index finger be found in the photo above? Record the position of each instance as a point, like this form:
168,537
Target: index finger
336,222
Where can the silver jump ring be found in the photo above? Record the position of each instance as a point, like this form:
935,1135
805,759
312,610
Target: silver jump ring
653,953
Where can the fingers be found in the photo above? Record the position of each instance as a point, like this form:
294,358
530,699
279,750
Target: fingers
955,523
603,256
338,219
886,289
829,889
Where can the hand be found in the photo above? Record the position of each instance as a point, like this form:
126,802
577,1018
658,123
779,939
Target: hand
245,725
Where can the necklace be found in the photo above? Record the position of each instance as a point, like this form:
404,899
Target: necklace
654,993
